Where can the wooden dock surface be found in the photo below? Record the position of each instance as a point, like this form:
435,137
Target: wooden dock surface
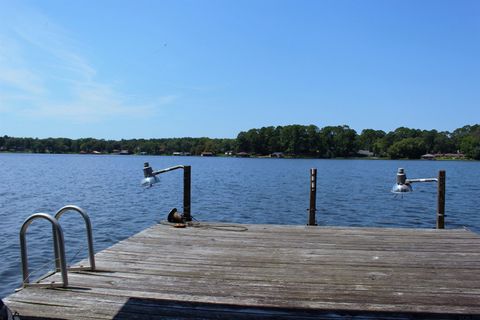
219,271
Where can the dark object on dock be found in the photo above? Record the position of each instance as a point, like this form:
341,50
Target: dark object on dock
5,313
175,217
271,272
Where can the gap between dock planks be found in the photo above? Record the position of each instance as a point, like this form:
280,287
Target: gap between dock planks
271,272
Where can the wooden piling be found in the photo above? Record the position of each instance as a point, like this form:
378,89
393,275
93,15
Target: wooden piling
441,200
187,182
313,197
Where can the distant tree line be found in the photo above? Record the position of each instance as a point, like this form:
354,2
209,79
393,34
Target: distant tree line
195,146
291,140
342,141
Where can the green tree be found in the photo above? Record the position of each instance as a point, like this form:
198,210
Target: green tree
470,146
340,141
411,148
243,142
294,139
368,138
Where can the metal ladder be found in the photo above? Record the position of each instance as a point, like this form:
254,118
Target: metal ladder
58,247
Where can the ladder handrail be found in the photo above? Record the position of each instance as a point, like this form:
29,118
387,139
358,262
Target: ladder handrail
88,226
58,245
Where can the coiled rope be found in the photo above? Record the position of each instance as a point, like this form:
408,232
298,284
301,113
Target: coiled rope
197,224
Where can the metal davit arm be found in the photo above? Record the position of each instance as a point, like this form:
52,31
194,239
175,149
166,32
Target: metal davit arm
422,180
58,244
168,169
148,171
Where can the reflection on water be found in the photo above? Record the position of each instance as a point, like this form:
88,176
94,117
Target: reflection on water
350,193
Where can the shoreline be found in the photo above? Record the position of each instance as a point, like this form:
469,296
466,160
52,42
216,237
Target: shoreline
239,157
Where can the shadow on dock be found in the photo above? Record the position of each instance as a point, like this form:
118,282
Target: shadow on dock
138,308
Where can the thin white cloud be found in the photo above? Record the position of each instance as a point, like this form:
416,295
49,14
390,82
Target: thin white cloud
91,102
14,75
21,79
61,84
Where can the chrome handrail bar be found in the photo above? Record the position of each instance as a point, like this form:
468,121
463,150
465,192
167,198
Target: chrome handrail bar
58,245
88,226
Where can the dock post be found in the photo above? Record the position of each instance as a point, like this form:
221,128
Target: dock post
313,197
441,200
187,180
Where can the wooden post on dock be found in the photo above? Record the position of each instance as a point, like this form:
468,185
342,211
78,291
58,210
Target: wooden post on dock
441,200
187,181
313,197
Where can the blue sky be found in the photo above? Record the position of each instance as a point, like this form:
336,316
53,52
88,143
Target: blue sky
151,69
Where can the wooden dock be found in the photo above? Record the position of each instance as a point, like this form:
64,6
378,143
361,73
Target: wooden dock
219,271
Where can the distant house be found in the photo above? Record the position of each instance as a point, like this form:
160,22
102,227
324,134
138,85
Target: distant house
457,155
365,153
435,156
243,154
277,155
207,154
428,156
176,153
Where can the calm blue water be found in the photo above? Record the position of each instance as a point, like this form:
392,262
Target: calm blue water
350,193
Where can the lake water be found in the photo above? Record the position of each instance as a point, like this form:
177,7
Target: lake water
350,193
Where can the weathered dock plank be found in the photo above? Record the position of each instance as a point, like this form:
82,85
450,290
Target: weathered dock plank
217,271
